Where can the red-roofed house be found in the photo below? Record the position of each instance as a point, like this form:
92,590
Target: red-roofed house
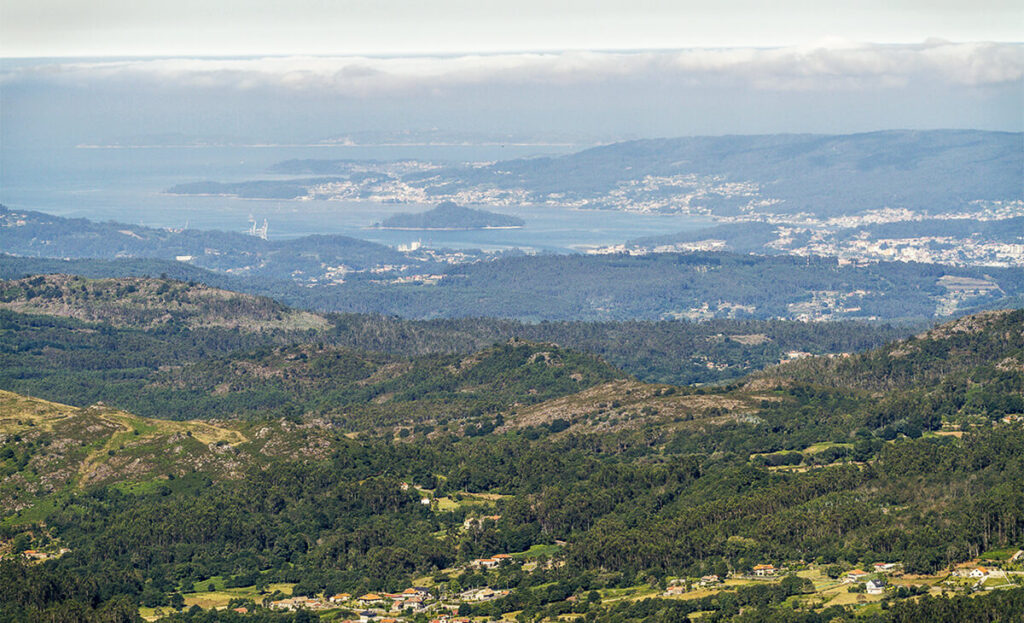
762,570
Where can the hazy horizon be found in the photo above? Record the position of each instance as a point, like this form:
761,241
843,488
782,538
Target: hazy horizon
599,96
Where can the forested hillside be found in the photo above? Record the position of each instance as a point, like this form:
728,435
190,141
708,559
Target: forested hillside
151,303
613,499
688,285
150,323
988,342
337,274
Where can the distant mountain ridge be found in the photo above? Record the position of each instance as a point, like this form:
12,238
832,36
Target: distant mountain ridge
933,171
819,174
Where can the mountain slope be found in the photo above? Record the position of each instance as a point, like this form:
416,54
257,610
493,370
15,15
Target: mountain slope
964,374
363,391
674,351
148,303
616,482
691,285
984,343
49,447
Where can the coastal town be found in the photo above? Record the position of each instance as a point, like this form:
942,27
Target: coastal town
860,239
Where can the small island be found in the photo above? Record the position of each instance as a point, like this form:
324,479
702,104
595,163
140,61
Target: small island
449,217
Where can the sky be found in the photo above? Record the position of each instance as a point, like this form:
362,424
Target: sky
63,28
258,70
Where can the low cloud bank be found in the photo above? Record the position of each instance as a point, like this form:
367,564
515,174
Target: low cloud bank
831,67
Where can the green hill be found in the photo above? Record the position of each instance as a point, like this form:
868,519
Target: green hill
621,484
966,372
149,323
237,445
992,341
149,303
60,446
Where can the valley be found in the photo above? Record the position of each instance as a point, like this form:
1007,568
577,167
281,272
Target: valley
284,463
